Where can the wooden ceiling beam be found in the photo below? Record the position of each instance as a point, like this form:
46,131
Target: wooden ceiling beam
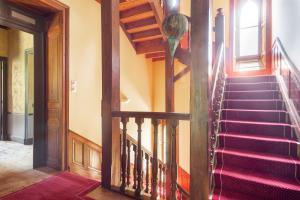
135,12
158,59
131,4
141,25
153,37
149,46
146,35
137,17
143,28
156,54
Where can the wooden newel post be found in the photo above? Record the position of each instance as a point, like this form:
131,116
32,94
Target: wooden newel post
124,121
219,29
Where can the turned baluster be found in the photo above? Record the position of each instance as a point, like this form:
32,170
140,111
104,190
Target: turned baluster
134,166
124,121
163,182
128,162
174,124
147,173
155,123
160,181
139,122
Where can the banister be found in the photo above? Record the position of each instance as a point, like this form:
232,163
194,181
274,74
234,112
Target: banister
278,44
216,69
182,192
217,85
288,76
152,115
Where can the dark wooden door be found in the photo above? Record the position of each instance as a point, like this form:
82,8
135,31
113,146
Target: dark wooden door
3,98
54,91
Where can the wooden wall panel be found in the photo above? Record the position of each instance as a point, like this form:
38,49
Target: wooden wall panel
85,157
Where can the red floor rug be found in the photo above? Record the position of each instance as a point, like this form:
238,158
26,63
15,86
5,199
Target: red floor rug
64,186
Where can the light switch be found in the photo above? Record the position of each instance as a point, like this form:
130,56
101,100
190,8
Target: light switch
73,86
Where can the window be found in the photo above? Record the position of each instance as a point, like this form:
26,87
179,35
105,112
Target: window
248,27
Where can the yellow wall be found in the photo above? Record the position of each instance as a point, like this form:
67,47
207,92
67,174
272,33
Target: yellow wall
159,86
85,68
18,42
182,102
185,7
3,42
182,105
136,84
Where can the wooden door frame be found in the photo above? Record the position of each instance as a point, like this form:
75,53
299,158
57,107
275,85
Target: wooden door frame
47,8
4,96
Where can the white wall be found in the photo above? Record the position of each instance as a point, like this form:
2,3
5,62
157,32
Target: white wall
286,17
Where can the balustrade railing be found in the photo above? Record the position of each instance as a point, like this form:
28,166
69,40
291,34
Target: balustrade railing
217,85
146,174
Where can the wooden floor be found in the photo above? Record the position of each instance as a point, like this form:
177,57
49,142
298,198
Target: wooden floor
16,167
16,172
102,194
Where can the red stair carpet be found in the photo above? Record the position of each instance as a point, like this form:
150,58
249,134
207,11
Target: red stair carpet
257,153
64,186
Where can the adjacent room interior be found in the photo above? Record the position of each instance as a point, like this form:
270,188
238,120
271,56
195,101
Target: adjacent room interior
17,104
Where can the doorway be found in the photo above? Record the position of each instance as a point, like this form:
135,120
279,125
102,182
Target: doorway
47,21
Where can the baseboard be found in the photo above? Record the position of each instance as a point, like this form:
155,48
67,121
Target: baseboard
28,141
84,156
183,179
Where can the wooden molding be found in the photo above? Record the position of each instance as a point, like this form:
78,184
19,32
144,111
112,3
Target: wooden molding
183,179
84,156
182,73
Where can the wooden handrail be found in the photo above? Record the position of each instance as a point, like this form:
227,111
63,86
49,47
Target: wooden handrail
216,70
217,86
278,44
183,194
152,115
288,77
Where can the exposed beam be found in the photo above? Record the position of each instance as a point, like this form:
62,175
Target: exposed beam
137,17
158,59
154,55
131,4
141,25
149,46
182,73
146,35
200,64
136,13
153,37
110,22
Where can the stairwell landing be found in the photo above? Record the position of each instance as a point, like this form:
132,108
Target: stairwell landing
257,153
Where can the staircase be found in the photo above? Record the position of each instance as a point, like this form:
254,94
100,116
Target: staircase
257,153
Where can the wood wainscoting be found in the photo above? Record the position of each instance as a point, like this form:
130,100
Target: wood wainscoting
85,157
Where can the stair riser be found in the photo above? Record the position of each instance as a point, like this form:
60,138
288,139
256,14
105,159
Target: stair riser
262,79
257,129
252,105
252,188
266,167
253,95
250,87
280,117
259,146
